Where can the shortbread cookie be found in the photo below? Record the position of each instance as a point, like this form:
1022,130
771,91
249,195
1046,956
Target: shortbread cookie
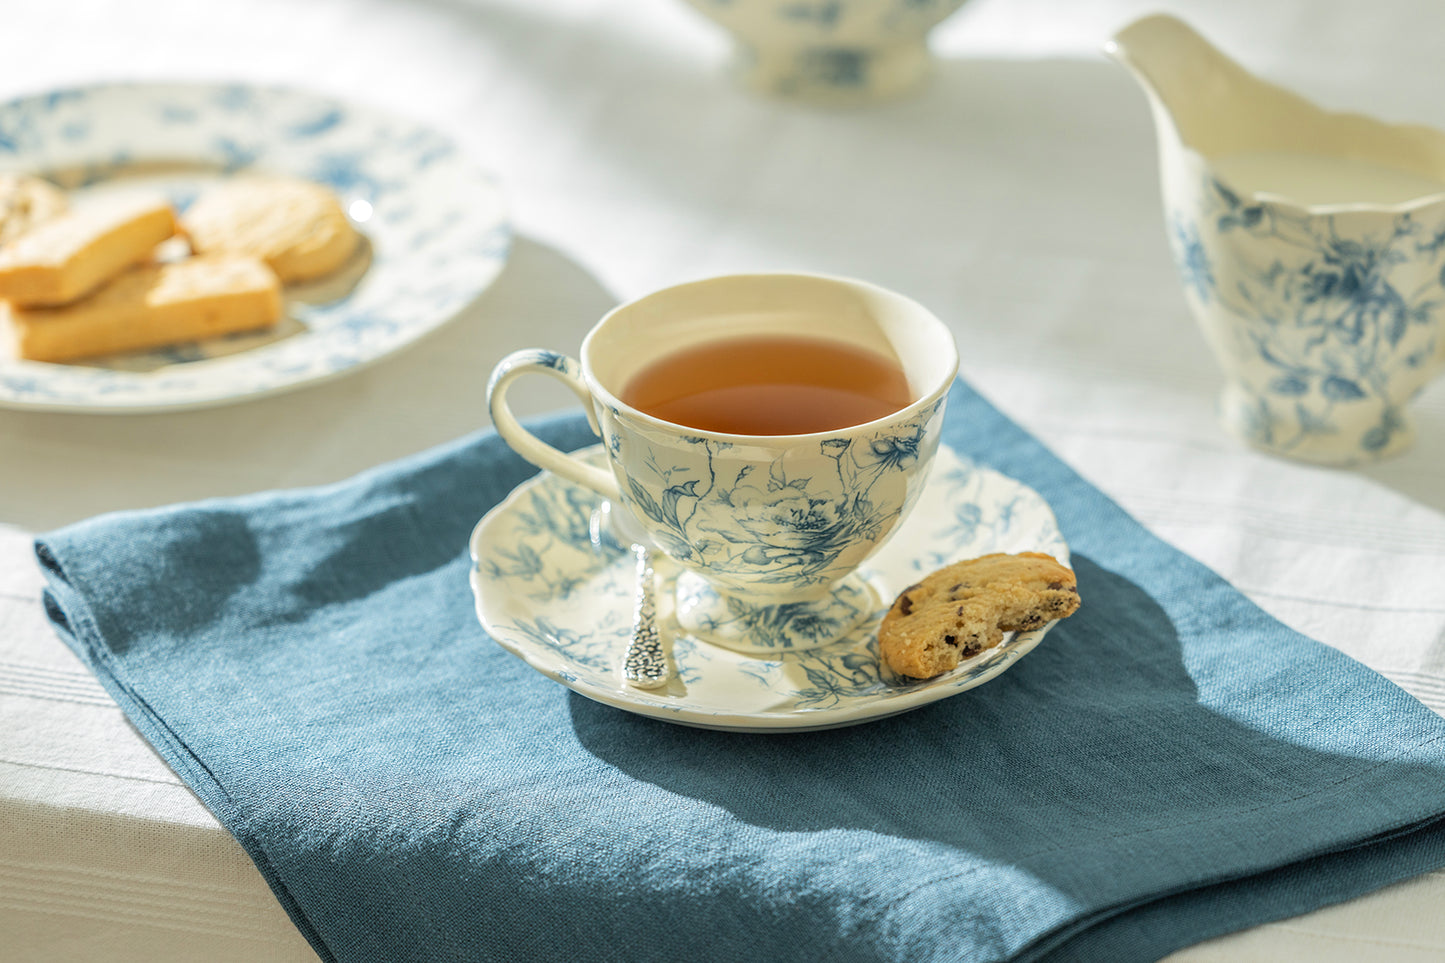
67,257
25,202
151,306
966,607
295,226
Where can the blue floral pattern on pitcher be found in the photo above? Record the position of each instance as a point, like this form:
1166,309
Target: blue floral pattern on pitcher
1328,323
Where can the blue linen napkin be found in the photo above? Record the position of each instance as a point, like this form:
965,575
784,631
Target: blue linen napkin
1170,764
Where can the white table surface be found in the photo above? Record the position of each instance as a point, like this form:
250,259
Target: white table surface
1016,196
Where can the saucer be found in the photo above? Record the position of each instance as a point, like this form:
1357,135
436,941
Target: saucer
554,590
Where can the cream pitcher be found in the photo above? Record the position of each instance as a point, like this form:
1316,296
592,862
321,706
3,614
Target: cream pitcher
1311,246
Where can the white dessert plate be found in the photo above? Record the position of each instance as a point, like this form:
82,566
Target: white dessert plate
554,589
435,228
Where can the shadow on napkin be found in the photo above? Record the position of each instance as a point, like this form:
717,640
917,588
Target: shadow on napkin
1084,768
1168,764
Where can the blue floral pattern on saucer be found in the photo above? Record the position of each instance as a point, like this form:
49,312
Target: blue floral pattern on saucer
552,588
436,230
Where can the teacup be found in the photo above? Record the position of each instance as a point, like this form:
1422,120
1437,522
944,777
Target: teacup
768,530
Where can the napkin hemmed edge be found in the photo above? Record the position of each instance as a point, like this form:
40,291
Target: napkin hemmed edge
1293,889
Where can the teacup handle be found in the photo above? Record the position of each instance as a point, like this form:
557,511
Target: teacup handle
528,445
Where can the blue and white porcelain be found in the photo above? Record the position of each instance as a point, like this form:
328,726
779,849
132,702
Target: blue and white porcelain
553,588
842,52
1324,304
436,229
763,521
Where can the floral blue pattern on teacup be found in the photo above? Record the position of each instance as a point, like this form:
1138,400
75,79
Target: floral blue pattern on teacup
778,526
738,623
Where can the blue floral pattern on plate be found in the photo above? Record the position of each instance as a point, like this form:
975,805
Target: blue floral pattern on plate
552,589
435,224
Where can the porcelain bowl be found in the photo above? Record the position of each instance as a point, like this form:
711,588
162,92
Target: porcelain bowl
830,51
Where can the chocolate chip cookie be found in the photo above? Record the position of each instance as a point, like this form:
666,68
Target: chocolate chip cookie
966,607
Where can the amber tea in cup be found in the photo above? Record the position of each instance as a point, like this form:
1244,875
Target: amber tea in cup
770,385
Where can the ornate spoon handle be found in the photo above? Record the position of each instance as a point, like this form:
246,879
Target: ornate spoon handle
645,665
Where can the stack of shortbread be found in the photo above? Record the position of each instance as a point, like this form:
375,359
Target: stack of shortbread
86,282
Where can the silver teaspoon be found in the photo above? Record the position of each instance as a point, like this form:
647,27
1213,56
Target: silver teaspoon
645,664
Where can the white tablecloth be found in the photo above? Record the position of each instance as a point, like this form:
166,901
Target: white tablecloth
1016,196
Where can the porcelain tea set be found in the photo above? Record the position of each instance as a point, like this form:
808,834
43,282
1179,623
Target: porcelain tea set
1310,244
1311,247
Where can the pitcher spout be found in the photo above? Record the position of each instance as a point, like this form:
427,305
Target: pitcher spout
1197,92
1215,108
